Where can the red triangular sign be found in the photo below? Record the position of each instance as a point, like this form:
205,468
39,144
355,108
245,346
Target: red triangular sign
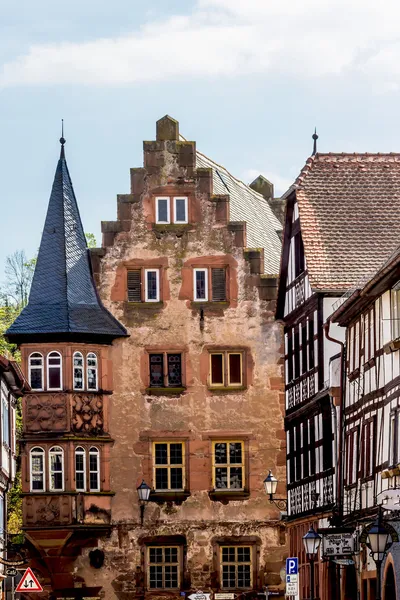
29,583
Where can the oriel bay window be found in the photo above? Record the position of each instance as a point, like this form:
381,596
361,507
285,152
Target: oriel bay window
169,466
226,369
228,465
165,369
87,463
236,567
91,371
143,285
209,284
163,567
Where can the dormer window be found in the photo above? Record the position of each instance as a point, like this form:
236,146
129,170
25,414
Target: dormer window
54,371
172,210
36,371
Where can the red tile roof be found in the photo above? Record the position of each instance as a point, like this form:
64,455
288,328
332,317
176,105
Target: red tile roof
349,206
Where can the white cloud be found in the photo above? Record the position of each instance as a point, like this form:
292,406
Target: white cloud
229,38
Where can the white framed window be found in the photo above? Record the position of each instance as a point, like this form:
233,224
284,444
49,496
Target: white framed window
200,285
94,469
54,371
36,468
56,469
180,209
395,316
152,285
163,209
6,421
78,369
91,371
80,469
35,369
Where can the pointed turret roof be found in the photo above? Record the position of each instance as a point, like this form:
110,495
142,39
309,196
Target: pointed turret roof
63,301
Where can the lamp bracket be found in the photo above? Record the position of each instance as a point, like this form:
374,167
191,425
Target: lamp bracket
280,503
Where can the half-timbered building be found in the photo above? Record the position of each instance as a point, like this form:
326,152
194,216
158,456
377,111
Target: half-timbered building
371,315
336,212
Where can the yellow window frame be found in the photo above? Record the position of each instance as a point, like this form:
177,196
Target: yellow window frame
228,465
236,563
226,375
240,354
168,466
164,564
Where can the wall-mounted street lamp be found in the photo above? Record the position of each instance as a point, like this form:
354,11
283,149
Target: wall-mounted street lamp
312,541
270,485
143,492
378,538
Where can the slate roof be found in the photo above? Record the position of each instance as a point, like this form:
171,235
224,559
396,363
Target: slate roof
63,297
248,205
349,206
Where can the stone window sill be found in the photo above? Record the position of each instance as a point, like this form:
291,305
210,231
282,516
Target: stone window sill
176,497
145,305
209,305
224,389
165,391
225,496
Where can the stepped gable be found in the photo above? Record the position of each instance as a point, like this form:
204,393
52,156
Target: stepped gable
63,300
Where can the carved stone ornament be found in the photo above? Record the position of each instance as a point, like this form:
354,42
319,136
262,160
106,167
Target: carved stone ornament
46,413
87,414
48,511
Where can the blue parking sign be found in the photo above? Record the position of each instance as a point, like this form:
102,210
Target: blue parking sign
292,566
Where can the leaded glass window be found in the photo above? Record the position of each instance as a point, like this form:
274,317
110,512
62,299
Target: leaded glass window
78,371
228,465
165,370
37,469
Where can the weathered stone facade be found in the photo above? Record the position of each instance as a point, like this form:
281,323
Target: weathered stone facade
200,518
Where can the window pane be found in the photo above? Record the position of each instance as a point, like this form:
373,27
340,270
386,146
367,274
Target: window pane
176,479
228,554
161,479
156,370
200,285
217,370
221,477
236,480
175,454
134,286
243,554
180,210
155,577
221,456
151,285
243,576
235,453
80,481
161,454
79,462
93,462
171,577
36,379
92,378
156,555
235,371
78,378
37,463
54,377
162,204
171,555
218,284
56,481
94,481
228,576
56,462
37,482
174,370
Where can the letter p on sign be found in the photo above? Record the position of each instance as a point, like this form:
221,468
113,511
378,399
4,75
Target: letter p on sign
292,566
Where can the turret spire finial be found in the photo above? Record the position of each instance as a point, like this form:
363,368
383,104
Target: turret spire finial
315,137
62,139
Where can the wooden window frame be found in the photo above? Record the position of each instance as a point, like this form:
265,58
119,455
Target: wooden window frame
42,453
168,210
169,466
209,283
146,287
166,384
89,356
49,355
35,356
226,369
175,198
195,271
94,451
144,299
236,563
81,368
80,450
228,466
56,450
179,565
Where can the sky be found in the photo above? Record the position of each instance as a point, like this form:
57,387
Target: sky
248,81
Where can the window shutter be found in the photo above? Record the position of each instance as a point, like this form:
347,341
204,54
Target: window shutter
134,285
218,280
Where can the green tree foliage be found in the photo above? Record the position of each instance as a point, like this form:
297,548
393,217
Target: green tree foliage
91,240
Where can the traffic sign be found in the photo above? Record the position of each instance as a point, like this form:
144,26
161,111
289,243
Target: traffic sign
29,583
292,576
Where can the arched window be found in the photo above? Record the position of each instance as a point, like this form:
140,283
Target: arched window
94,470
36,371
54,371
91,361
80,469
56,466
78,371
37,469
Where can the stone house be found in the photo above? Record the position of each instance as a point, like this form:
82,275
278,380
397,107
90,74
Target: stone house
173,378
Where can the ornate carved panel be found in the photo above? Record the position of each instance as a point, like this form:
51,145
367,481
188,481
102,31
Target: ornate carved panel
87,414
46,412
47,510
